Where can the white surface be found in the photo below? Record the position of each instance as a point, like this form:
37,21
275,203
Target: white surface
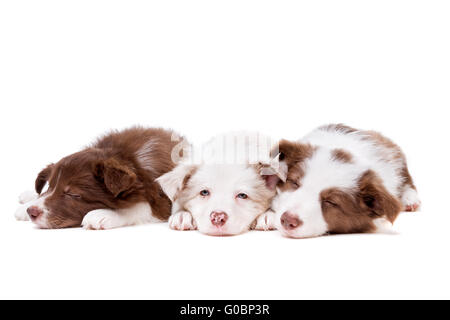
71,70
155,262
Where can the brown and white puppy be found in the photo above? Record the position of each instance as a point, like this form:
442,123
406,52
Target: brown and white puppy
107,185
341,180
225,191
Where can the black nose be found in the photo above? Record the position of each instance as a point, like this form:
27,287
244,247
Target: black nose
290,221
34,212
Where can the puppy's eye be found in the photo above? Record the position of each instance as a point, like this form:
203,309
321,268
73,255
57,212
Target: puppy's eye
294,183
242,196
73,195
330,203
204,193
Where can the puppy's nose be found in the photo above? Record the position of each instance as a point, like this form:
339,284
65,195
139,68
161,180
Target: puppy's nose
34,212
290,221
218,218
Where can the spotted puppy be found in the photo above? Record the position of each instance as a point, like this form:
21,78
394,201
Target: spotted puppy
341,180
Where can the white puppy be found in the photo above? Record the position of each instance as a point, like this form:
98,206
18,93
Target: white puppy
225,190
342,180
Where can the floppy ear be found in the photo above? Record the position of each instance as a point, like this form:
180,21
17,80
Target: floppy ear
274,172
174,181
43,177
117,177
374,196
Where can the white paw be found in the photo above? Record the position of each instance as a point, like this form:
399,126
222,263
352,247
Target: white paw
182,220
383,226
102,219
410,200
21,213
27,196
265,222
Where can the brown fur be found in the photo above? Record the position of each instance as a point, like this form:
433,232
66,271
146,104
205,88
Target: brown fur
352,212
294,154
342,155
108,174
265,190
394,152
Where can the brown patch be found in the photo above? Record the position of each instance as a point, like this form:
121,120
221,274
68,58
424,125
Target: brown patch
188,177
375,196
392,152
294,154
108,175
354,212
342,156
407,179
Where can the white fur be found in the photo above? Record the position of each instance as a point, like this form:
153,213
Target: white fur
410,198
224,182
182,220
21,213
172,182
383,226
103,219
27,196
265,222
367,154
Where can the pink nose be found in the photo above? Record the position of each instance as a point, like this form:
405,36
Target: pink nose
218,218
290,221
34,212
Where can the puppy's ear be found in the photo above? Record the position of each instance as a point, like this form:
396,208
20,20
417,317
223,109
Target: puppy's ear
176,180
292,152
43,177
118,177
374,196
273,172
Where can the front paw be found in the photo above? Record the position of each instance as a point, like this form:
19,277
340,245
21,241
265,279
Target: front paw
182,220
21,213
27,196
265,222
101,219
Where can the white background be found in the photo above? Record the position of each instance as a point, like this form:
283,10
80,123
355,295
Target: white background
69,70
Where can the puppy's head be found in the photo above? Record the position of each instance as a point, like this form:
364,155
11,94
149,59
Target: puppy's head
80,183
224,199
327,191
